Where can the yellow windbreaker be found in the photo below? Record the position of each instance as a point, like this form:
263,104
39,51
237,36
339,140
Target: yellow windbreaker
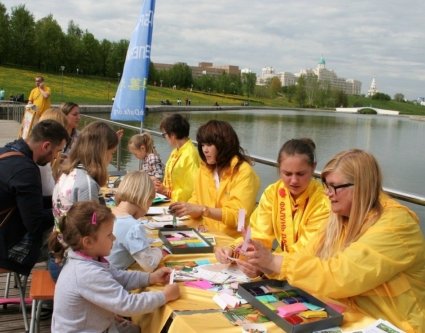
238,189
37,99
180,170
382,274
291,222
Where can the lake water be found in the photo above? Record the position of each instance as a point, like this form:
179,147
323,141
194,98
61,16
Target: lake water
397,142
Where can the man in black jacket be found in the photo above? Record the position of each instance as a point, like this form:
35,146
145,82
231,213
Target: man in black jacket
22,216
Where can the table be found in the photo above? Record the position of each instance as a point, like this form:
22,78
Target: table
191,299
195,311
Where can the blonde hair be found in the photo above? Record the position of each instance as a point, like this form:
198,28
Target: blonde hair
143,139
361,169
136,188
55,114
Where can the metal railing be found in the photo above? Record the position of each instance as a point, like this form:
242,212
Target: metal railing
404,196
15,112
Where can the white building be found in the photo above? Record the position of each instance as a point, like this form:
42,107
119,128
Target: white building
372,90
349,86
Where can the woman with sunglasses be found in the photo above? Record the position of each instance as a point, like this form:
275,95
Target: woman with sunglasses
371,254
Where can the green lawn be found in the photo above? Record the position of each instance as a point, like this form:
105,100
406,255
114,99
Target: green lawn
96,90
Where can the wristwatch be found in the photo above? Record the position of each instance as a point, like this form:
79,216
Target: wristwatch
205,211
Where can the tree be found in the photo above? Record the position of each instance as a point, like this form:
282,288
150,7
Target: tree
49,44
180,75
399,97
105,49
275,86
301,95
91,59
381,97
21,42
4,35
311,89
248,83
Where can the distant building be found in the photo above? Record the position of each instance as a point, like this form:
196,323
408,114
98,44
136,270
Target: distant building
372,90
205,68
349,86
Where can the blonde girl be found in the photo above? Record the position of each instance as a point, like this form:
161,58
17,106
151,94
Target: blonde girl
133,197
90,292
142,147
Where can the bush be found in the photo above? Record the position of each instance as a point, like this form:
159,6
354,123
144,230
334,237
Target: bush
367,111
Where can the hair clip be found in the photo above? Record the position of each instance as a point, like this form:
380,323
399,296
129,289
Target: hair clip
94,219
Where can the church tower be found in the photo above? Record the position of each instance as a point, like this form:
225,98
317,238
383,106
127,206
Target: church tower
372,90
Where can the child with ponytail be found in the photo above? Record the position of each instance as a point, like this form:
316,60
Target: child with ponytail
90,292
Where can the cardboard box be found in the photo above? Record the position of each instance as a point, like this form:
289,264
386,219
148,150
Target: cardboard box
250,290
183,240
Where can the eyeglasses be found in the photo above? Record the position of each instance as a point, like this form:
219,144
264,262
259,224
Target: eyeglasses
163,134
332,189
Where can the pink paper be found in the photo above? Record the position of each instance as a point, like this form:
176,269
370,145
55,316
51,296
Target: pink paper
291,309
201,284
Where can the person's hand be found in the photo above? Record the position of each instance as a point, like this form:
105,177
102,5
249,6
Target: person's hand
120,133
180,209
222,254
250,270
160,276
171,292
261,257
159,186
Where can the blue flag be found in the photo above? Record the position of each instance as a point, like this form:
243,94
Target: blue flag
130,99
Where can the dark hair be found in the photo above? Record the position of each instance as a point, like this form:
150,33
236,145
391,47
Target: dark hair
49,130
222,135
90,149
303,146
175,124
67,107
76,224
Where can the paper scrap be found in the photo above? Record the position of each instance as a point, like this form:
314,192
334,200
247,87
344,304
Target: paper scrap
173,272
241,219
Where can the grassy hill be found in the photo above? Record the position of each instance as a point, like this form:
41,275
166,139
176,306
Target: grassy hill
96,90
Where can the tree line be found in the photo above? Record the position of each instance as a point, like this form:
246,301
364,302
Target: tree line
42,45
27,43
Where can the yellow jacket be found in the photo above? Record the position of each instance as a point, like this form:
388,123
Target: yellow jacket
382,274
274,219
37,99
180,170
238,189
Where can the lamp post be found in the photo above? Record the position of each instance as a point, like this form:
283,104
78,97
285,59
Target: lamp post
62,68
78,70
119,75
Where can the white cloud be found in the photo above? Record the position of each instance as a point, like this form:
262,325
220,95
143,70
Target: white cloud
361,39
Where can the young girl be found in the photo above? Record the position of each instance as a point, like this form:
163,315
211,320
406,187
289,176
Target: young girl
84,172
133,197
90,291
141,146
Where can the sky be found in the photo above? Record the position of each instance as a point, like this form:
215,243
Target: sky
362,40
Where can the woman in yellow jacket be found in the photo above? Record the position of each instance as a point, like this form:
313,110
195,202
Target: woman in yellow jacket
183,163
370,256
225,183
292,209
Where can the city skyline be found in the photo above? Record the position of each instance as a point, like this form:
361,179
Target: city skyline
361,40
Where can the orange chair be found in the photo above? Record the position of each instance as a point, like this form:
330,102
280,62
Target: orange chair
42,289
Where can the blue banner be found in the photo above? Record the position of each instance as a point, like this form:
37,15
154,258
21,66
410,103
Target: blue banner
130,99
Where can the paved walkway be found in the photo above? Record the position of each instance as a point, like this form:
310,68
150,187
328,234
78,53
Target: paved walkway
8,131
